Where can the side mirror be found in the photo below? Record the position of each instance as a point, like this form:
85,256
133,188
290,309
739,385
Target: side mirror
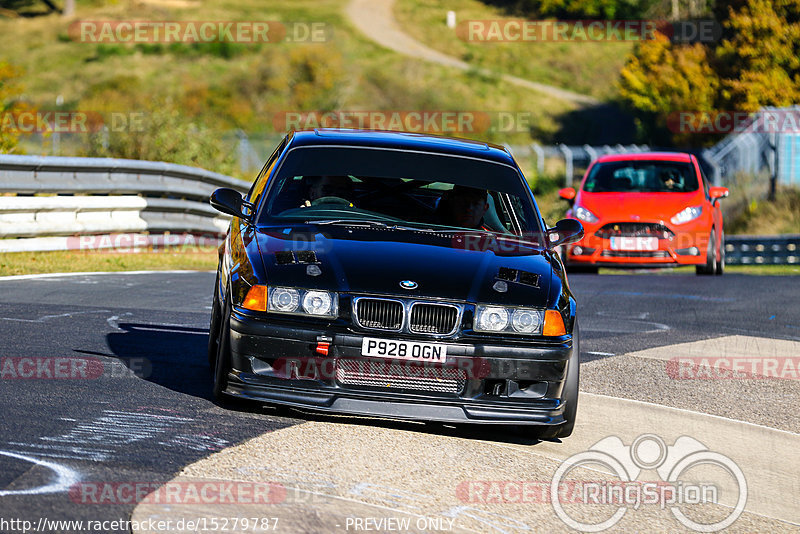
567,194
717,193
565,231
231,202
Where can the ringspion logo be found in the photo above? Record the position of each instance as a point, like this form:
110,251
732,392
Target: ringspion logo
674,491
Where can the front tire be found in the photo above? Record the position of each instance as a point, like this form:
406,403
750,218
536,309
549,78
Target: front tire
572,386
213,327
221,365
721,256
711,257
570,394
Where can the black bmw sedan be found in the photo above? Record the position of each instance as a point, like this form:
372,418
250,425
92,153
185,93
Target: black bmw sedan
396,275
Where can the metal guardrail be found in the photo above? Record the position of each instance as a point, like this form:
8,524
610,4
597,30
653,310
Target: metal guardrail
46,202
44,198
762,250
582,155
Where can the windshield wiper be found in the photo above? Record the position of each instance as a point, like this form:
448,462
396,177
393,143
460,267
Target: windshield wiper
433,230
364,223
350,222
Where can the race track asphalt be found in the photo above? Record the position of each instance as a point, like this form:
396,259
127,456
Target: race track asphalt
144,412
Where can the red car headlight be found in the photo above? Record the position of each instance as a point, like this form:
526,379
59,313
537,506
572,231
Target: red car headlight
687,214
585,215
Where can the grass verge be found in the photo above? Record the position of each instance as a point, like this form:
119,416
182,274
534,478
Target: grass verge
590,68
217,90
765,217
199,258
205,259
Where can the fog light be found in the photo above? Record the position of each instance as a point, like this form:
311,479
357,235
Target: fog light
577,250
692,251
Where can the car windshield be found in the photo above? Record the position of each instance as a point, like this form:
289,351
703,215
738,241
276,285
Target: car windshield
399,188
641,177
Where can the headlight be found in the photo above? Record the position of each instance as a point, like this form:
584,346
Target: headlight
508,320
686,215
283,299
525,321
585,215
492,319
318,303
302,301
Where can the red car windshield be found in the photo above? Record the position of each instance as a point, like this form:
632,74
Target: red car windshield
641,177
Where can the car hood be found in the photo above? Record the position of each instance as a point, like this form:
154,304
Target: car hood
375,261
647,206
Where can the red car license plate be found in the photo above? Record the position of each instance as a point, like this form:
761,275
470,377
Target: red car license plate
634,243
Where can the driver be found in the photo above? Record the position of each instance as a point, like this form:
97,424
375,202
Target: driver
319,187
668,178
465,207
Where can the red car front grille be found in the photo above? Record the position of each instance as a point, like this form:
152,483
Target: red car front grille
634,229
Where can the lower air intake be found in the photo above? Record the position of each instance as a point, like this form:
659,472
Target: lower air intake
395,375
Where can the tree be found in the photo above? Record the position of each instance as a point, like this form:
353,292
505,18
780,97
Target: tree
756,64
660,79
759,61
577,9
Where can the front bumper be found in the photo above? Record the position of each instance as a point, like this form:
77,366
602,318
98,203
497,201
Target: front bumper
687,246
515,382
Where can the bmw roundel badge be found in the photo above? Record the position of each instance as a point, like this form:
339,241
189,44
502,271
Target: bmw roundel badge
409,284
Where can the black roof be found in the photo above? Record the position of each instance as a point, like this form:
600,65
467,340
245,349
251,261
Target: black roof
403,141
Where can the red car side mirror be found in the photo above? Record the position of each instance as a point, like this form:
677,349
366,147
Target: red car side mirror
567,193
717,193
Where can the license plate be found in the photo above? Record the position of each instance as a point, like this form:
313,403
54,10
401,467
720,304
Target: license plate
404,350
634,243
